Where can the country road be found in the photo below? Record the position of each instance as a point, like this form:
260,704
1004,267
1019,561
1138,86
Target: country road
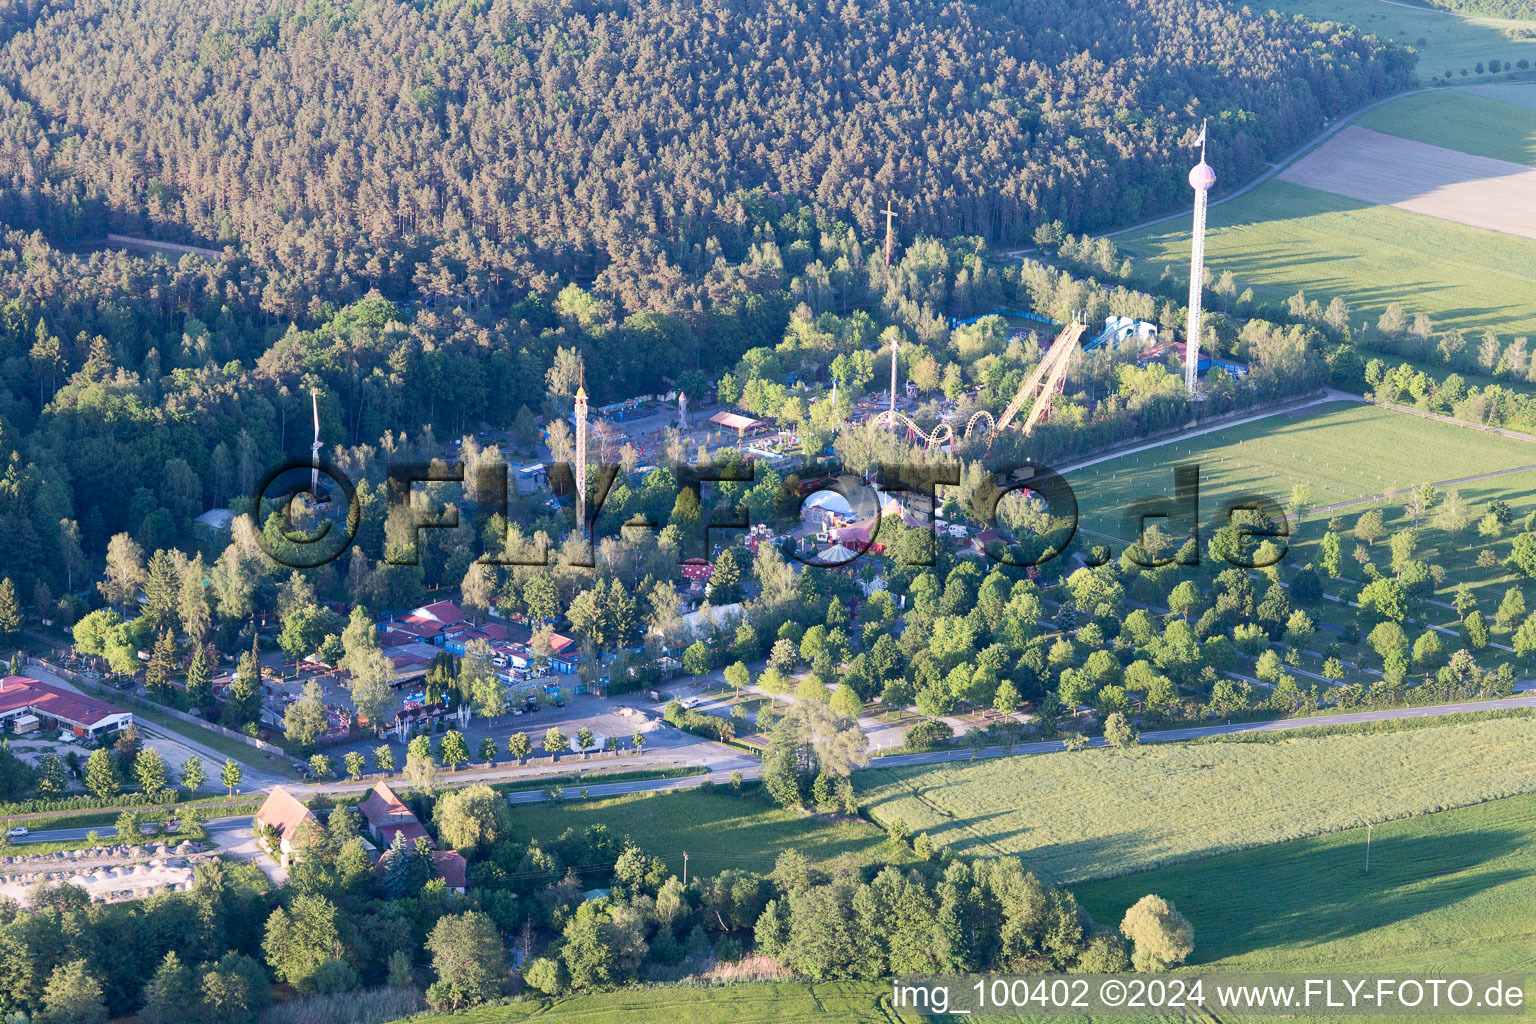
230,829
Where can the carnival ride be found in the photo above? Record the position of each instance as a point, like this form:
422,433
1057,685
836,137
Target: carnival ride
1038,390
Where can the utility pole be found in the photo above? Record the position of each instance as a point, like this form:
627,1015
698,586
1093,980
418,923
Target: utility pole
890,236
1367,847
685,869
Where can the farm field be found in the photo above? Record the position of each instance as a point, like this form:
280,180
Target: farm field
1281,238
1446,892
718,830
1478,191
1489,123
1450,891
1344,451
1099,813
1445,42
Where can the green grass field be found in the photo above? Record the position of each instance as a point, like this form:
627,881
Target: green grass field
1452,890
769,1003
1343,450
718,830
1444,42
1281,238
1098,813
1461,121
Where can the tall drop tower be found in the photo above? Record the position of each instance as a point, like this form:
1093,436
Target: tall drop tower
895,345
581,456
1201,178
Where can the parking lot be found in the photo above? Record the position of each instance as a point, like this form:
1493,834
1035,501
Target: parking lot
616,719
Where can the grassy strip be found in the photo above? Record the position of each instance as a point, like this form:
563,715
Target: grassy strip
597,778
97,819
83,843
1367,728
696,1003
717,827
242,752
41,819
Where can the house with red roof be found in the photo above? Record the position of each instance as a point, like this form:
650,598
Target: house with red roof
280,821
27,703
388,816
454,869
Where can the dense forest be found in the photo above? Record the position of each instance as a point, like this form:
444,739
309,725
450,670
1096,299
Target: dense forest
475,148
437,213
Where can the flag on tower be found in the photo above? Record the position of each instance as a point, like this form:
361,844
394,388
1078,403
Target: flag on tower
1201,140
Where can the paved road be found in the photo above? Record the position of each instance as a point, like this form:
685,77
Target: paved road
1280,725
234,832
219,829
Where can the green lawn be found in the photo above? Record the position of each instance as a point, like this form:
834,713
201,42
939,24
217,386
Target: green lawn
1098,813
1444,42
786,1002
1344,451
1461,121
1281,238
1452,889
718,830
1446,892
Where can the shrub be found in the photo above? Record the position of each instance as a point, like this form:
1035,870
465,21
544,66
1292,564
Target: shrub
929,735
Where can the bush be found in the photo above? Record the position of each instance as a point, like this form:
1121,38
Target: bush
371,1006
929,735
708,726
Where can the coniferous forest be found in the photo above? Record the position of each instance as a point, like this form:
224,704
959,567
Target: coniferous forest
418,205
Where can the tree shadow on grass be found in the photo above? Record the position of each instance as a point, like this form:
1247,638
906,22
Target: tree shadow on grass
1313,891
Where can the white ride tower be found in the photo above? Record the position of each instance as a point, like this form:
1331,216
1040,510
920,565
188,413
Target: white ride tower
1201,178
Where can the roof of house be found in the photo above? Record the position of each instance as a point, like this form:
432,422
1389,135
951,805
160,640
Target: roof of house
451,865
411,829
381,805
283,811
17,692
215,519
444,612
422,628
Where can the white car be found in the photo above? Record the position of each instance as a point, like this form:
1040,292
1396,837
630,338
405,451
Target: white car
18,832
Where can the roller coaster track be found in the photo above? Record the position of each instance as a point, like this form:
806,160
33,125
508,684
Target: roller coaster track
1058,358
1040,385
942,434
